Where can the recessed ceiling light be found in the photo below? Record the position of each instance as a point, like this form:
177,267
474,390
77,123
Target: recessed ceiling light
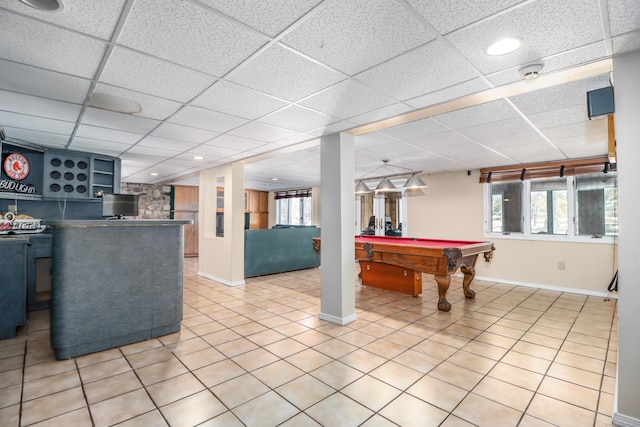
45,5
503,46
153,173
198,157
274,179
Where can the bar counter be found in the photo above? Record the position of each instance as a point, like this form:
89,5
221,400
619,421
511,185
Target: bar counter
114,282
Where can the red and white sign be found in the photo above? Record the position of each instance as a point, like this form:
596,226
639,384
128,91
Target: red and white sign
16,166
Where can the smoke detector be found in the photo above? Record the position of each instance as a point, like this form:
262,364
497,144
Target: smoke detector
530,72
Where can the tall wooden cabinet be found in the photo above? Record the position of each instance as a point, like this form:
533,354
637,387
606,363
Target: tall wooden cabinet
184,205
256,204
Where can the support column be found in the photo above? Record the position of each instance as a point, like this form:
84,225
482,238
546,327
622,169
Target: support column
627,103
338,244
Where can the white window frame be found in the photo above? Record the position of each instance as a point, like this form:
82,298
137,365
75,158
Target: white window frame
526,218
278,201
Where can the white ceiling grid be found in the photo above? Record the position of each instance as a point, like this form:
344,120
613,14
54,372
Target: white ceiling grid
238,79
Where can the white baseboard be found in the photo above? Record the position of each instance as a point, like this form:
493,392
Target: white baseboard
620,420
223,281
339,320
603,294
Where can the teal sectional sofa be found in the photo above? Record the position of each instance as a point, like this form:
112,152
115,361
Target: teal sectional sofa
279,249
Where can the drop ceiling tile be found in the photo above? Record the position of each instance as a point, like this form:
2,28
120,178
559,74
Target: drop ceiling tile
45,138
561,96
98,146
274,70
298,119
352,36
591,145
624,16
336,127
120,121
559,117
446,16
291,140
152,151
38,107
369,140
546,27
423,70
206,119
362,99
216,151
503,130
270,17
380,114
415,129
185,161
561,61
185,133
139,162
235,142
153,107
143,73
446,94
46,84
262,132
626,43
166,144
230,98
488,112
41,124
526,154
94,132
443,142
95,17
41,45
178,30
587,127
393,150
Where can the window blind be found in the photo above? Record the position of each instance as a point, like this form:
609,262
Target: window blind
546,170
290,194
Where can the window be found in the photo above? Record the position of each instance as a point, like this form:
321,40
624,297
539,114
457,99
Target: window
580,206
294,207
597,205
506,207
549,206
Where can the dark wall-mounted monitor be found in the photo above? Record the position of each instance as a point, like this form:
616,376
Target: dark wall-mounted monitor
119,205
600,102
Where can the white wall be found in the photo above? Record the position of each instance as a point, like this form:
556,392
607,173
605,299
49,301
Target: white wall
451,207
222,258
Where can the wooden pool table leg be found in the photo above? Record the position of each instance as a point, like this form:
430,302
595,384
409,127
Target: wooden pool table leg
443,286
469,274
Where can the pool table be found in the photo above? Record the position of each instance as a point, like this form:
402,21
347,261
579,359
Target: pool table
397,263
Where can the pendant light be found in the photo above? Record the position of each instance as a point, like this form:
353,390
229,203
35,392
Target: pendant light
414,181
386,185
362,188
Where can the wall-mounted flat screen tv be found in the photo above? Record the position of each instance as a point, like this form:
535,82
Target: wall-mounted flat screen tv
600,102
119,205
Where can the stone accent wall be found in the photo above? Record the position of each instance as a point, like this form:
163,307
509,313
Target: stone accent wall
154,200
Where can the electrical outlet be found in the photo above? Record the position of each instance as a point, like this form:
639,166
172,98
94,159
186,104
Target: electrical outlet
561,265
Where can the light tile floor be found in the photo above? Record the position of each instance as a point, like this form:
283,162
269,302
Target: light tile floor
258,355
